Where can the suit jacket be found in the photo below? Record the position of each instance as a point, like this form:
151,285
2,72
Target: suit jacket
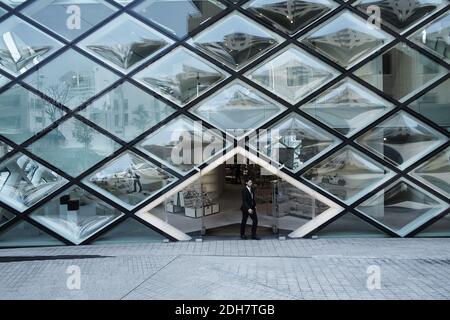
247,201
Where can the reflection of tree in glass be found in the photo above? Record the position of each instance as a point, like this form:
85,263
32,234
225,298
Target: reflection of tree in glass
142,117
59,93
83,134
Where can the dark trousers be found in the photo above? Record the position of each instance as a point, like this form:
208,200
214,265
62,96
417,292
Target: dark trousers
137,183
254,217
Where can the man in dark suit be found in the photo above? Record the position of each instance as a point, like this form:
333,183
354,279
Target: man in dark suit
248,208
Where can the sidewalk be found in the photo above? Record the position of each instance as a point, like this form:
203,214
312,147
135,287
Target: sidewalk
232,269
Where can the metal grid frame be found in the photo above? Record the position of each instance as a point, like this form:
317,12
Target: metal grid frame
287,40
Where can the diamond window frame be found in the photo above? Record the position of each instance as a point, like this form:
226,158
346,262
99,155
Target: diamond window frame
173,235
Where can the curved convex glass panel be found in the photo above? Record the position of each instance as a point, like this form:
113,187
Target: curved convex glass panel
75,214
237,109
402,207
23,46
183,144
290,16
294,142
388,72
129,180
347,107
125,43
181,76
435,172
292,74
401,15
402,139
24,182
348,174
236,41
346,39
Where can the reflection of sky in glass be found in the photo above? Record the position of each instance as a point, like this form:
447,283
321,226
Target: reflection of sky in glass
74,84
53,14
346,21
175,15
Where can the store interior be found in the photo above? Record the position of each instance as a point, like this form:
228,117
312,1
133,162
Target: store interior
210,206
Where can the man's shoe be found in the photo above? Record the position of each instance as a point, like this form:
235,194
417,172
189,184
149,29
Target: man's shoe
244,237
256,238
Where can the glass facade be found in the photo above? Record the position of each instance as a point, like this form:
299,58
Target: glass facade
140,120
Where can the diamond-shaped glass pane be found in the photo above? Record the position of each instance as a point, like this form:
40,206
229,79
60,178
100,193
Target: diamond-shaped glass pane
75,214
13,3
23,46
347,107
24,114
4,149
3,80
402,206
73,147
346,39
290,16
435,172
292,74
294,142
236,41
435,105
24,234
124,2
293,207
78,81
401,72
182,144
179,17
402,139
127,111
440,228
69,18
401,15
130,231
237,109
348,174
181,76
125,43
5,215
435,37
129,180
24,182
350,226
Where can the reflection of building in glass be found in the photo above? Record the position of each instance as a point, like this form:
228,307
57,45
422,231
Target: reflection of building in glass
237,48
187,83
23,114
347,39
402,14
291,14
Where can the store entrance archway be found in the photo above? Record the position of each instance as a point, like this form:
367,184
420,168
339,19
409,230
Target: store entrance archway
222,199
207,205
